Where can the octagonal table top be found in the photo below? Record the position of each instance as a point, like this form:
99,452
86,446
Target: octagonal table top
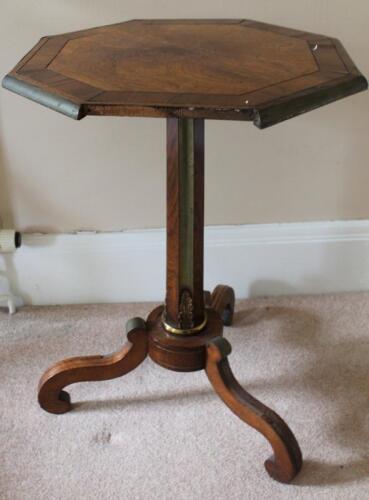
221,69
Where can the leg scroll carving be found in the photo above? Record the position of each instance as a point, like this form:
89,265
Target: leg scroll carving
207,298
51,396
222,301
287,459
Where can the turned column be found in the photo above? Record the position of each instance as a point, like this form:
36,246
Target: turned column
184,306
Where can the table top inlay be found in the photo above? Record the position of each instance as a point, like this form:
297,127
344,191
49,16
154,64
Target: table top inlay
222,69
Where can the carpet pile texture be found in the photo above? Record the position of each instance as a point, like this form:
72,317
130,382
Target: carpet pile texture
157,434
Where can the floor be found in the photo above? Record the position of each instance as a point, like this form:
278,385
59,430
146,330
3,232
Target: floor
156,434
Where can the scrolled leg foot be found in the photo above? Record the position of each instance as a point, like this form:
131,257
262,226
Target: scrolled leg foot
60,404
222,301
54,399
287,459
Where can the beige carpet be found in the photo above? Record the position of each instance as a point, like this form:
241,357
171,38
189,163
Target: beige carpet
156,434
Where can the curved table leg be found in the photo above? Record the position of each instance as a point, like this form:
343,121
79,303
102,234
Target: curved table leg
51,396
287,459
222,301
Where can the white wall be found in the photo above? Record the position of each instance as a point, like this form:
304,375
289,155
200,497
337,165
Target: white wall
263,259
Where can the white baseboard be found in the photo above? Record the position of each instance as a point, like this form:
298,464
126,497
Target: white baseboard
269,259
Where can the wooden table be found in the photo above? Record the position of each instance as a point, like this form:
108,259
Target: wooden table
185,71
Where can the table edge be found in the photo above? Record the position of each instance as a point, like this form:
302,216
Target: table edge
262,116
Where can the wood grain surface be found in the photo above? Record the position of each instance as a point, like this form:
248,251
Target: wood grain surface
181,353
185,222
221,69
54,399
287,459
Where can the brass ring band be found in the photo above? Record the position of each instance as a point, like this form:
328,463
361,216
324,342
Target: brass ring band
187,331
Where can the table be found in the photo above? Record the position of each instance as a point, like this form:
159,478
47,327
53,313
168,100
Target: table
185,71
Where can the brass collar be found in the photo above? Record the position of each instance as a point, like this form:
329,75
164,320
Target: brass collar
187,331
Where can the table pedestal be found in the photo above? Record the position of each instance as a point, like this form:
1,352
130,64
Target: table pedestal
186,333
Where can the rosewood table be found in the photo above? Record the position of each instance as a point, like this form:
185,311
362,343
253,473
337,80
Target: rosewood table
185,71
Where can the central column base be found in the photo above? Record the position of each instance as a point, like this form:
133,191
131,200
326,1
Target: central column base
181,353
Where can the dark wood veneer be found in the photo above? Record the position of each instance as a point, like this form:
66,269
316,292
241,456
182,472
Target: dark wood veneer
181,146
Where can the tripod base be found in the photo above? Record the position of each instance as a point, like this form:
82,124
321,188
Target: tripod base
207,350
